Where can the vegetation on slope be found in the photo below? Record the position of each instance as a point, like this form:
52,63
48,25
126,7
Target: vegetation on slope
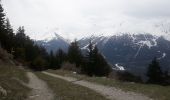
67,91
156,92
11,79
11,87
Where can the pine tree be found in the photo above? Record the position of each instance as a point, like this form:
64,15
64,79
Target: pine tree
74,54
3,34
8,26
88,66
20,45
2,18
52,60
10,36
20,51
154,72
60,57
20,37
90,53
101,67
95,63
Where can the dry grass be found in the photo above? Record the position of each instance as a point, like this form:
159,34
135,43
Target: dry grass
156,92
11,88
64,90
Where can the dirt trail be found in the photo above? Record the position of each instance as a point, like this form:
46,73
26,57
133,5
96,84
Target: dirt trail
109,92
40,90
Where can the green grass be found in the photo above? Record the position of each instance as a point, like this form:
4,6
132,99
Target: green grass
156,92
10,77
64,90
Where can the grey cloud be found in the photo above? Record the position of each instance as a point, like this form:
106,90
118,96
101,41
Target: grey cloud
84,16
149,9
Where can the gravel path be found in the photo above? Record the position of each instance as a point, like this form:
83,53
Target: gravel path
109,92
40,90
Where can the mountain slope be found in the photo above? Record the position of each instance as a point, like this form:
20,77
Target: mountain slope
12,78
125,51
133,52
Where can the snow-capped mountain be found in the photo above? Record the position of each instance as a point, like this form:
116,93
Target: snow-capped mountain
131,52
124,51
54,42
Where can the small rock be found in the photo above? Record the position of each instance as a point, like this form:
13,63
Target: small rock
3,91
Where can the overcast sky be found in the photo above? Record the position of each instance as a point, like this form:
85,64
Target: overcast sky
78,18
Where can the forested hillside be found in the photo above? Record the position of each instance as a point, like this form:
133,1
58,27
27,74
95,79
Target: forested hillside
26,52
92,63
19,44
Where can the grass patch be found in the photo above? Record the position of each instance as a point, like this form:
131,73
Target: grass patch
156,92
64,90
13,89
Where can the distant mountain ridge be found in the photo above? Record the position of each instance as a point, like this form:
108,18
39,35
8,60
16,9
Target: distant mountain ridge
132,52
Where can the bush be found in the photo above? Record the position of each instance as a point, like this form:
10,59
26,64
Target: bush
70,67
39,63
4,55
124,76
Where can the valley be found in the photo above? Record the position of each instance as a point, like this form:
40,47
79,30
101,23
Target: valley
132,52
84,50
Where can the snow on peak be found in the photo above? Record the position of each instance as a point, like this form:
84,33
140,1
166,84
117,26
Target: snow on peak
52,36
137,39
49,36
149,42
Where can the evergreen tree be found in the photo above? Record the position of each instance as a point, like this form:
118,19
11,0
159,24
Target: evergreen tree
20,45
60,57
2,17
38,58
74,54
101,67
8,27
90,53
88,63
20,37
3,35
95,63
154,72
19,51
52,60
19,54
10,36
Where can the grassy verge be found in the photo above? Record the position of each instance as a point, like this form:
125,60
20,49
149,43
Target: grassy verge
64,90
11,88
156,92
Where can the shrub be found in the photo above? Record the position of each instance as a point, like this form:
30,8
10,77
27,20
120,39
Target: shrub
4,55
70,67
39,63
124,76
